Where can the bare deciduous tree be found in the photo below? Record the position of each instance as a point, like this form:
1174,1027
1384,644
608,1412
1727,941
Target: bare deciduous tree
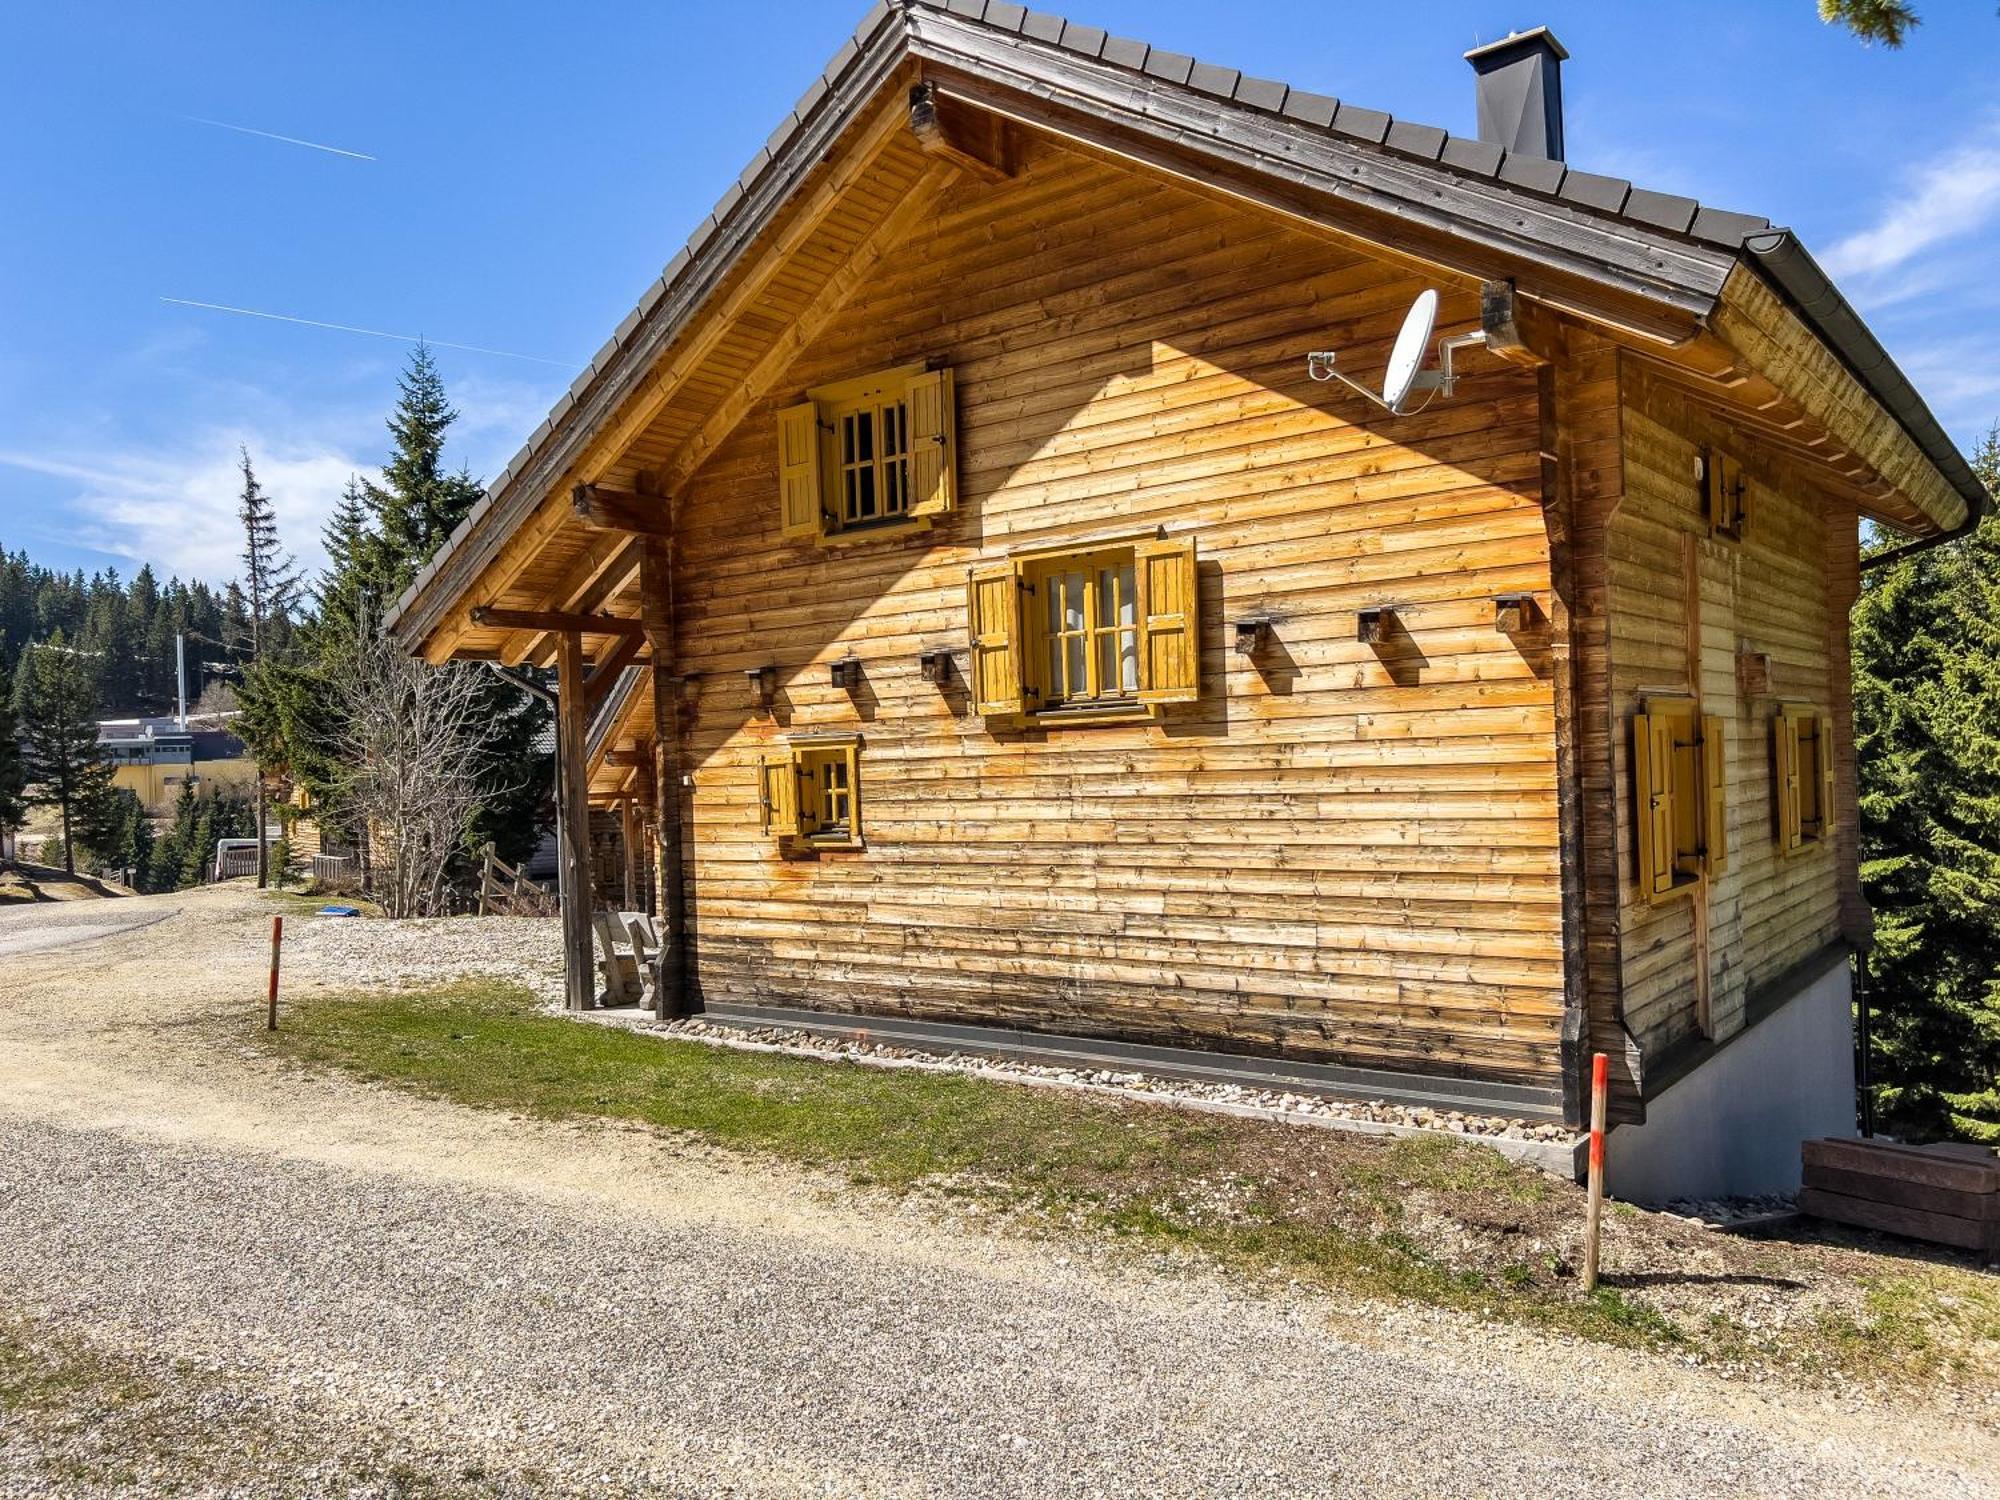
413,747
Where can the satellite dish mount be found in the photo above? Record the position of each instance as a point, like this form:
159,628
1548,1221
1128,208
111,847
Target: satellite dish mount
1406,385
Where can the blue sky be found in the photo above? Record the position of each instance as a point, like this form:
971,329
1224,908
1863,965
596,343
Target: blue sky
519,172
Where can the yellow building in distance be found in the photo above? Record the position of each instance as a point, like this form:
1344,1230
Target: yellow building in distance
154,758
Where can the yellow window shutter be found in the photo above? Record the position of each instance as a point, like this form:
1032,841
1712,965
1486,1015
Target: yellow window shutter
1664,811
1169,616
1785,748
933,443
1713,485
1715,792
1642,802
798,471
1824,732
779,793
993,616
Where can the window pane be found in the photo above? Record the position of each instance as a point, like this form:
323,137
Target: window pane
864,480
1072,592
1077,681
1128,661
864,436
847,440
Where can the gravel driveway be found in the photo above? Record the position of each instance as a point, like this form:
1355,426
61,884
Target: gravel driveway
373,1291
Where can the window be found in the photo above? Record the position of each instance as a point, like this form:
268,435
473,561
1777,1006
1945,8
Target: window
1107,629
866,454
1725,494
811,791
1803,746
1680,795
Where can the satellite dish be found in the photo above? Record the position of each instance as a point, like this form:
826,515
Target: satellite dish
1406,358
1406,378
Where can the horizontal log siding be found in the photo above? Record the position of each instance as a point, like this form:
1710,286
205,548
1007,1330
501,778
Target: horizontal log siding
1333,855
1682,606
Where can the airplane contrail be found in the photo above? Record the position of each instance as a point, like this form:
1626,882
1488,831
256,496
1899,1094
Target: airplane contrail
373,333
271,135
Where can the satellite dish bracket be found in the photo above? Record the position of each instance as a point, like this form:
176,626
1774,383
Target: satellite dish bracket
1322,365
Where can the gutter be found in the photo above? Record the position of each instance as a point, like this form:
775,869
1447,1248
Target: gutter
1789,267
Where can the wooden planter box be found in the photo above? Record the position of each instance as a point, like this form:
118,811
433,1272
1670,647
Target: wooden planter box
1946,1194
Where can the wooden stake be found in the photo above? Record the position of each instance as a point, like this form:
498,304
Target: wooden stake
1600,1086
277,939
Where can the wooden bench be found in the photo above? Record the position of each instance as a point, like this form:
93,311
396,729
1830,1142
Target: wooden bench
1947,1194
628,976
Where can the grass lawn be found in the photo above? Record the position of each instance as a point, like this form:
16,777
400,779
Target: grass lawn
1428,1220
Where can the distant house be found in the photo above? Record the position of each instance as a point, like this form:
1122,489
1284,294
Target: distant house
154,758
1039,651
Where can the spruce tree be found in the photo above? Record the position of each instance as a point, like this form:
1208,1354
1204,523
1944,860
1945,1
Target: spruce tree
56,699
419,501
1926,641
13,780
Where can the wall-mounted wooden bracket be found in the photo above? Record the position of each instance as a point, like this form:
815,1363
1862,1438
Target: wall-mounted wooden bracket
619,510
1514,614
1371,626
490,617
973,140
935,666
847,673
763,683
1252,635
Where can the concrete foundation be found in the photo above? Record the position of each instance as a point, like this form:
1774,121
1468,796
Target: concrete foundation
1733,1126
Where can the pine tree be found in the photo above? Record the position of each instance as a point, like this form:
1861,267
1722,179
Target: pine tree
419,502
13,778
56,698
1927,724
271,587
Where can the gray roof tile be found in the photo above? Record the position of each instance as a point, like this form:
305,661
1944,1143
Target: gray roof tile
1593,191
1005,14
972,10
1663,210
1425,141
1213,80
1043,28
1365,124
1087,40
1535,173
1261,93
1125,52
1721,227
1469,155
1314,109
1172,66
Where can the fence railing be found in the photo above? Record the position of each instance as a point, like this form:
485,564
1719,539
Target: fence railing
505,892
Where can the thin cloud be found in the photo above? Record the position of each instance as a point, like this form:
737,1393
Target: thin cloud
177,510
271,135
1943,201
373,333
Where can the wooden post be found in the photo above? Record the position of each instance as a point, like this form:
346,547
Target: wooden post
628,831
573,820
1600,1086
271,1001
656,610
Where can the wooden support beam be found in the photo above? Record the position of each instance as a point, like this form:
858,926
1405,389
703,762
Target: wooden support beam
573,823
604,676
1516,331
556,621
627,758
602,509
598,576
673,990
628,828
969,139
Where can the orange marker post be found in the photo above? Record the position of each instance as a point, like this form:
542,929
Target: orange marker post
1600,1086
277,937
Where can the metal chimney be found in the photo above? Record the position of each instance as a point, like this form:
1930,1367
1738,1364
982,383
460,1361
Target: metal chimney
1520,93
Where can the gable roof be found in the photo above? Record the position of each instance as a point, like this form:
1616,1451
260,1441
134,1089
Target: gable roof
1660,255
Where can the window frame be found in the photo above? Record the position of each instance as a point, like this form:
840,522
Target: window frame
921,467
1798,786
1007,623
788,816
1692,795
1038,575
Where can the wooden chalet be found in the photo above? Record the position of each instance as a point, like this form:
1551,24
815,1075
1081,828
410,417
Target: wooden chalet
1036,655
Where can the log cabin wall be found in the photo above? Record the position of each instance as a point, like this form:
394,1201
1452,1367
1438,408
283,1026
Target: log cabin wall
1684,607
1341,852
